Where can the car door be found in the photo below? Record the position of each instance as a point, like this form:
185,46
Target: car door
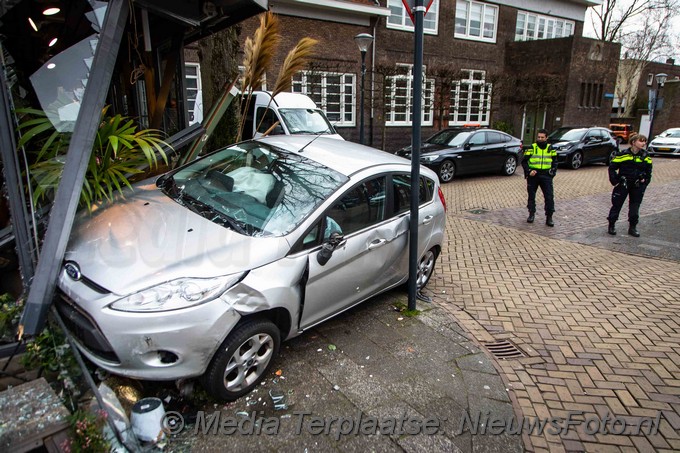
365,258
593,146
475,152
494,155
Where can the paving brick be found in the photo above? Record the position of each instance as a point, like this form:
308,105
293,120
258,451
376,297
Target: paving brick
599,338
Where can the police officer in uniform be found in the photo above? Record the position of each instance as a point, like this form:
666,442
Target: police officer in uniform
540,167
629,172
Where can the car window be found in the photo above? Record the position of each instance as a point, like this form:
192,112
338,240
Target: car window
567,134
265,118
253,188
305,121
361,206
401,187
494,137
478,138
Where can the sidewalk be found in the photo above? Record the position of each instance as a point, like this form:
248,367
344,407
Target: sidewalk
371,361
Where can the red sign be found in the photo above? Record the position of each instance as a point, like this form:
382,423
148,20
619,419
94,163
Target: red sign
410,4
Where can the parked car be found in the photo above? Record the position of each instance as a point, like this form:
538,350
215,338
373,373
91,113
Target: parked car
466,150
204,270
621,132
666,143
577,146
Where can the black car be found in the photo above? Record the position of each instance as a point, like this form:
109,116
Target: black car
577,146
459,151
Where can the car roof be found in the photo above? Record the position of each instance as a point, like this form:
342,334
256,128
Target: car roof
342,156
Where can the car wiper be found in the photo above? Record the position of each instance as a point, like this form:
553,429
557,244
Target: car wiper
210,213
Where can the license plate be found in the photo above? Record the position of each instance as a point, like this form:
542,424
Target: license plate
664,149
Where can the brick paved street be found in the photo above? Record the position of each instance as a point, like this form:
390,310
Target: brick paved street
596,315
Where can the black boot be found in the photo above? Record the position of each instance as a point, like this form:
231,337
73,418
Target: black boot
549,220
612,228
632,230
530,219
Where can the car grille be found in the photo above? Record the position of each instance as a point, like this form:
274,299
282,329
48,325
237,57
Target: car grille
84,329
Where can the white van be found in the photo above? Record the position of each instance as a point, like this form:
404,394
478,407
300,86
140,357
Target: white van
288,113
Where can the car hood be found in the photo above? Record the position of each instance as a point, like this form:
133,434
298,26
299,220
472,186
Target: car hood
558,145
424,148
660,141
147,238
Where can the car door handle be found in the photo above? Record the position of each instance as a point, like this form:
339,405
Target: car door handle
377,243
427,219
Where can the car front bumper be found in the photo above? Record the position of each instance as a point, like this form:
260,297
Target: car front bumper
158,346
670,150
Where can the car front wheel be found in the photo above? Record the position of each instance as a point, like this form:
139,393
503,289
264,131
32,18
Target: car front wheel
576,160
510,166
447,171
425,268
242,360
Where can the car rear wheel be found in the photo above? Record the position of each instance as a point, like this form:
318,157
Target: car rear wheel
510,166
242,360
447,171
425,268
576,160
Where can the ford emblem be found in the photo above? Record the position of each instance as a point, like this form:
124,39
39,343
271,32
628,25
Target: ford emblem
73,271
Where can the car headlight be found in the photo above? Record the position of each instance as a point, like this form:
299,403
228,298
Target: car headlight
180,293
428,158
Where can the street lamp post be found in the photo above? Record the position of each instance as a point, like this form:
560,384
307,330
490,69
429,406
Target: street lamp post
364,41
660,80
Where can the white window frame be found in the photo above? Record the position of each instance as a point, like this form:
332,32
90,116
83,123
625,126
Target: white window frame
301,84
462,102
400,20
548,26
242,70
486,9
199,89
427,102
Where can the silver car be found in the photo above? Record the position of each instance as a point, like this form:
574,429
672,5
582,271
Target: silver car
204,270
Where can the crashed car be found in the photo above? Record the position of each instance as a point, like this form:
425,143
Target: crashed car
203,271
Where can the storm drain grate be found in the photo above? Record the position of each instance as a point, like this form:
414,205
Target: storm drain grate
478,211
504,349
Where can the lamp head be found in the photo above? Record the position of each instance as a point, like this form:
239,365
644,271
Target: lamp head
364,41
661,78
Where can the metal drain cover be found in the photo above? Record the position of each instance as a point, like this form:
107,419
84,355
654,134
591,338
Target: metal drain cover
504,349
478,211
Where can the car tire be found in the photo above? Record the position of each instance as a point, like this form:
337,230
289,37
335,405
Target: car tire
243,360
426,268
447,170
576,160
510,166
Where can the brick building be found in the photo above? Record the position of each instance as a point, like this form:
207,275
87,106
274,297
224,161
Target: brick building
517,65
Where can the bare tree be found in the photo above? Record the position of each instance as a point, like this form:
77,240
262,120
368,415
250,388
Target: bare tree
648,43
612,18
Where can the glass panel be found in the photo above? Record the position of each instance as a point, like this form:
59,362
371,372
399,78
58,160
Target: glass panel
461,17
475,20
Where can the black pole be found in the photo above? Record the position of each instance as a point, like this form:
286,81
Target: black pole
361,114
419,12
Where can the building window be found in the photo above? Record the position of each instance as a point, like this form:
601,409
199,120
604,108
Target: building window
334,93
591,94
470,99
242,70
475,20
192,80
398,95
400,20
650,79
532,26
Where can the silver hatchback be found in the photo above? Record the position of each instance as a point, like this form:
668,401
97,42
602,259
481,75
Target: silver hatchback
204,270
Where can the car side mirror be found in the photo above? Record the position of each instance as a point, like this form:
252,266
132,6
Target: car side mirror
329,247
466,146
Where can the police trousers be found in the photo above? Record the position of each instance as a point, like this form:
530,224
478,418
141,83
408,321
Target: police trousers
619,195
545,182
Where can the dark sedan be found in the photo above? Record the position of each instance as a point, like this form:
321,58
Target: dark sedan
577,146
460,151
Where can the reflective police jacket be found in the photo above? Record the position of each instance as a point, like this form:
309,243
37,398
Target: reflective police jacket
541,160
634,167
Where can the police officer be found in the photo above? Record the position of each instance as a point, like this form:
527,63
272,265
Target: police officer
540,167
629,172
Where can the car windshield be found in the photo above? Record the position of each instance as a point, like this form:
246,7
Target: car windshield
253,188
673,133
452,137
306,121
568,135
